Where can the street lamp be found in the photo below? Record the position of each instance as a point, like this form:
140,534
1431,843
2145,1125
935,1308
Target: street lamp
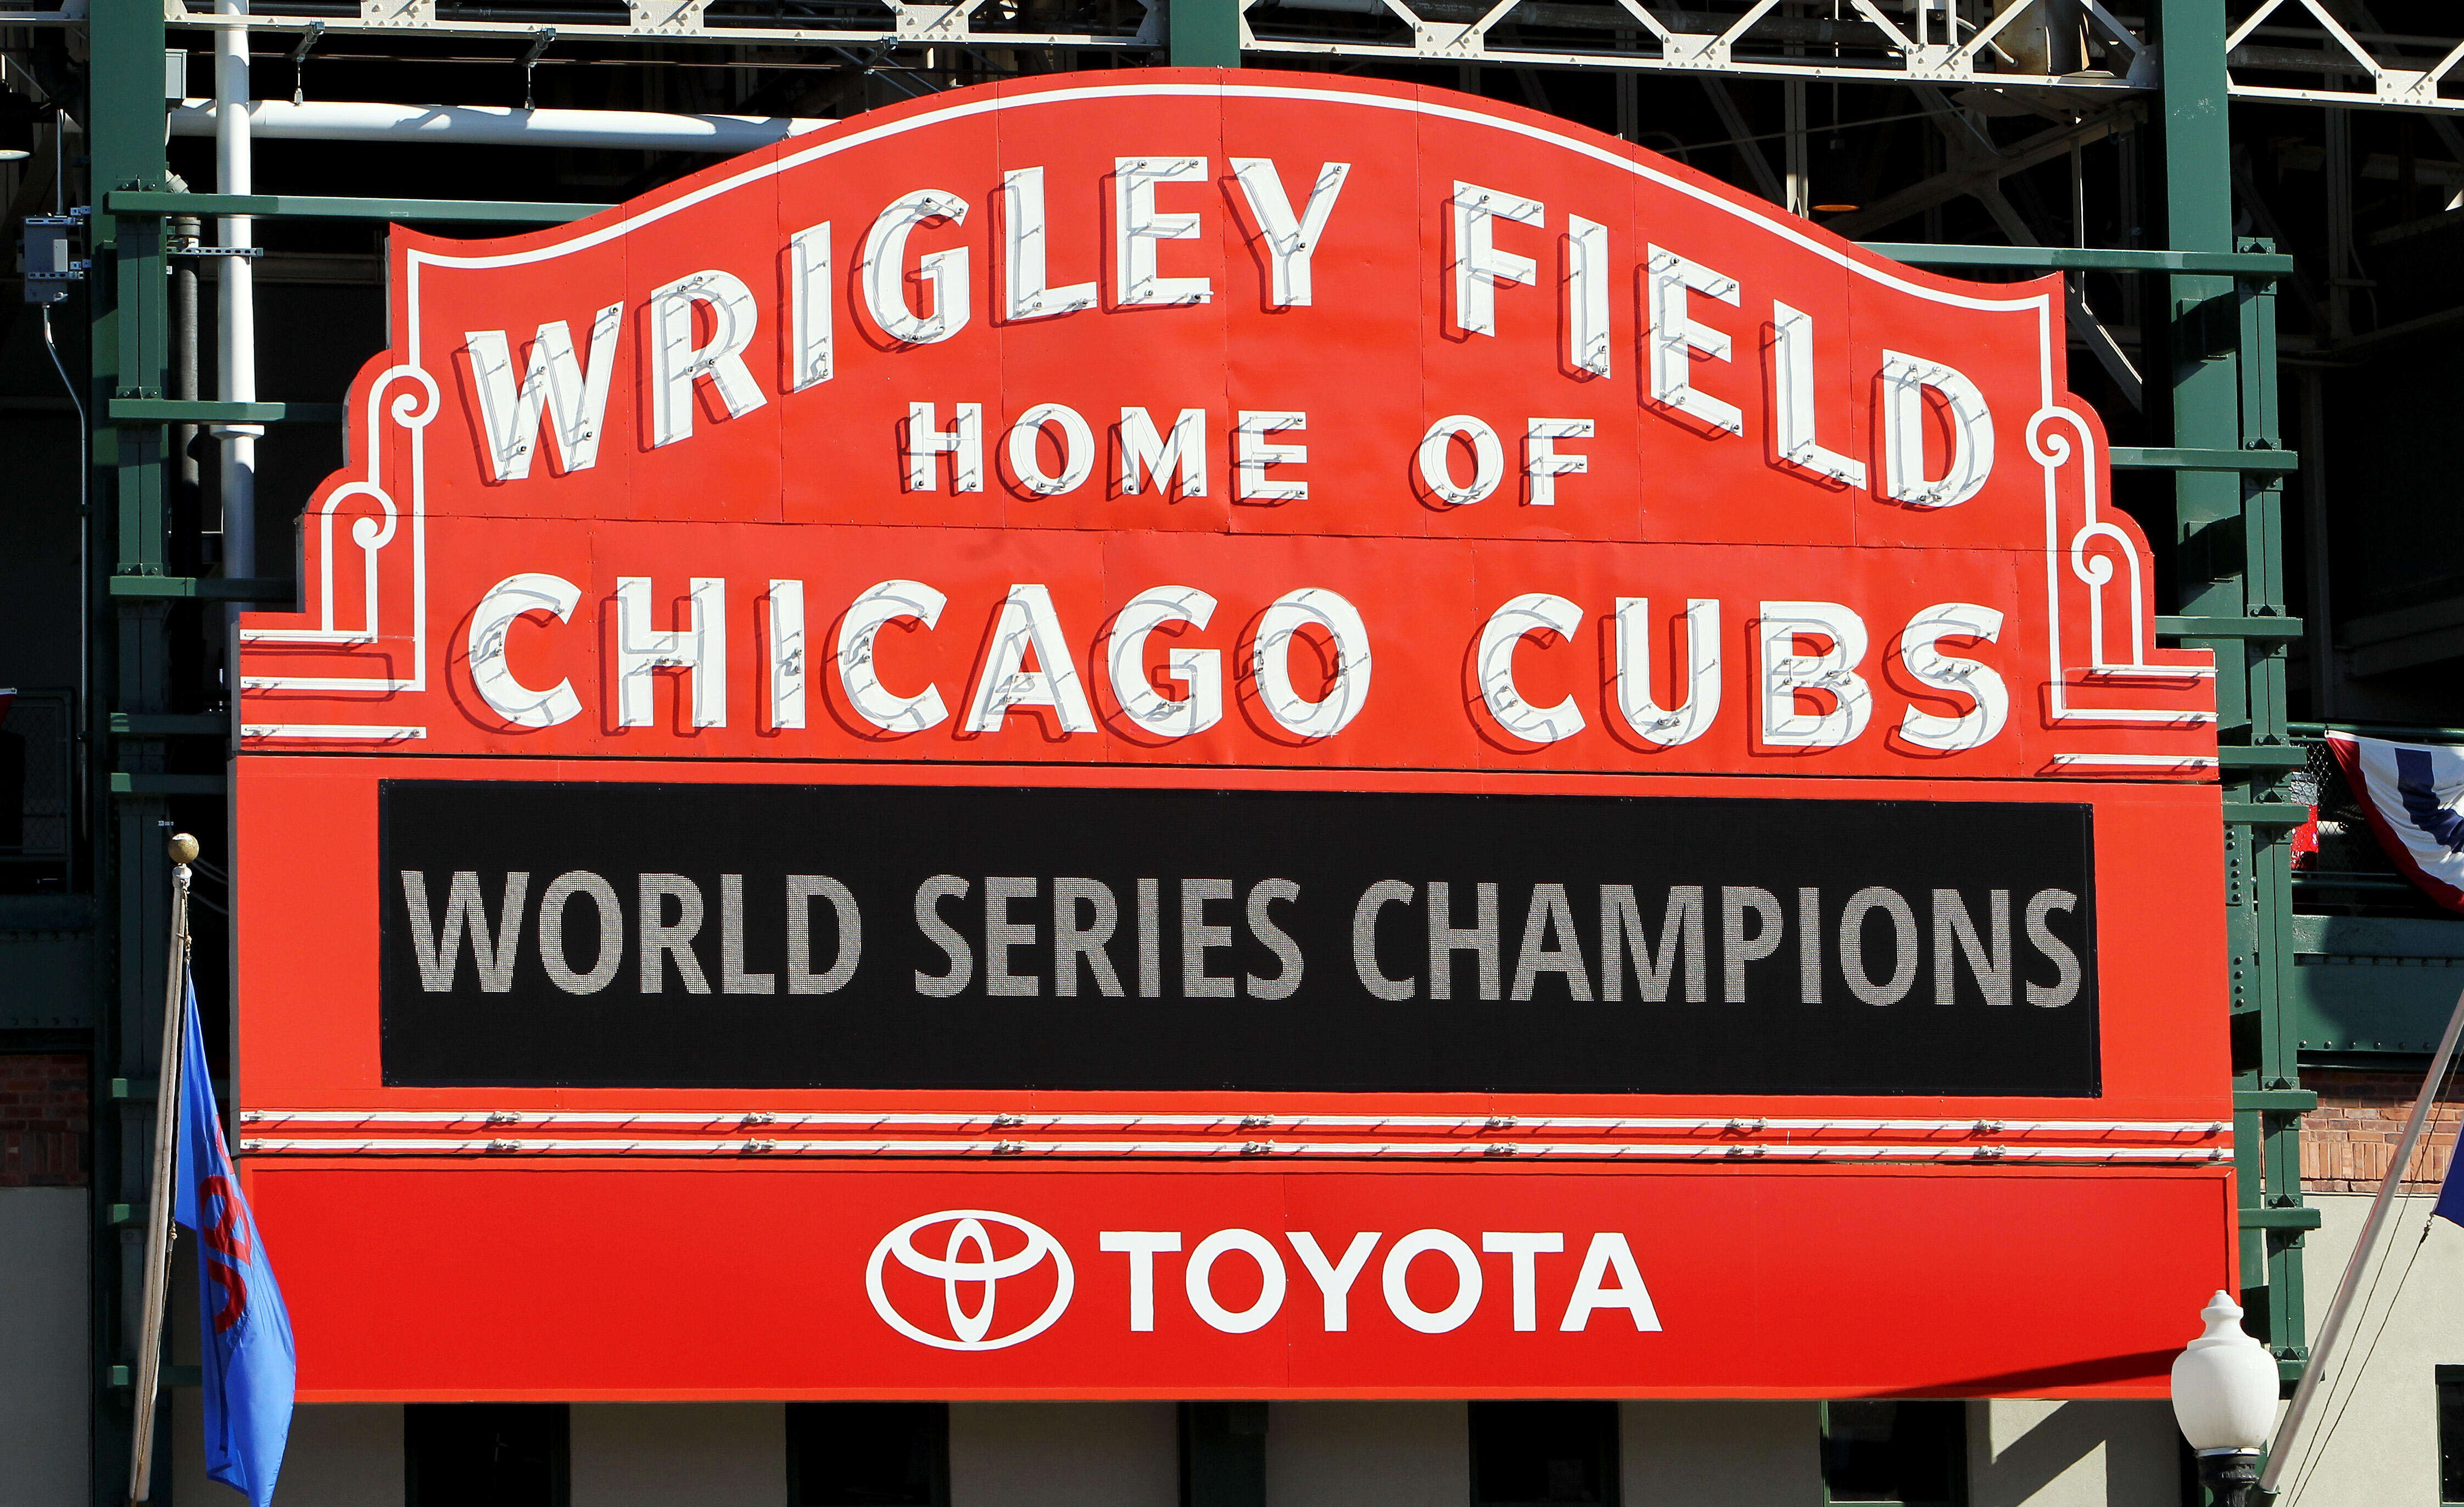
2224,1397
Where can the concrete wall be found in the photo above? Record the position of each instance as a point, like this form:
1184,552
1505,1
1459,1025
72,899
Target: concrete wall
679,1454
1367,1455
43,1284
2374,1434
340,1455
1062,1454
2028,1453
1720,1454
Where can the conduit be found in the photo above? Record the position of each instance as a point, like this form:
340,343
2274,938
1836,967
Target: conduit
494,125
235,351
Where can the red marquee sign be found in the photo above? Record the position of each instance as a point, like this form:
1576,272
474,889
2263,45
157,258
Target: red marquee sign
1280,736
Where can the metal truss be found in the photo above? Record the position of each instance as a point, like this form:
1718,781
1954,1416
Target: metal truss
2403,73
1960,43
826,24
1940,42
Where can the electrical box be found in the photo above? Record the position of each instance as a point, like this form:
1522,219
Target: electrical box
50,258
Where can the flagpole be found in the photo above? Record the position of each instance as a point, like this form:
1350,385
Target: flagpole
2279,1452
149,1368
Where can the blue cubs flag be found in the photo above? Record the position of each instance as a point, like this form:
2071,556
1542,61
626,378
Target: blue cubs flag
245,1333
2412,793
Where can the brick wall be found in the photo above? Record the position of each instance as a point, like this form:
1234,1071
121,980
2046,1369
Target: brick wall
42,1119
2348,1140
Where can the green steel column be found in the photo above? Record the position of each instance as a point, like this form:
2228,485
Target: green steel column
129,346
1205,33
2230,564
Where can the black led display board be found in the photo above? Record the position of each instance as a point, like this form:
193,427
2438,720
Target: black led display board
863,937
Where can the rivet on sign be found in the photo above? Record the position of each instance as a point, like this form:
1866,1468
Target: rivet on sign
1257,1148
753,1149
759,1116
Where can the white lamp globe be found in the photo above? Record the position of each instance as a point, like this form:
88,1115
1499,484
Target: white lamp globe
2225,1384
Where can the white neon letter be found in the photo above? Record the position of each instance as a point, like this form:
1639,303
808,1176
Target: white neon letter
860,672
1437,459
1290,240
1676,335
1969,677
884,270
1905,379
1793,404
1787,674
963,444
1024,243
786,653
1311,607
1533,613
1199,670
1139,225
515,597
681,363
699,648
1542,465
1028,622
1480,267
1586,295
1649,720
1077,449
573,398
812,310
1252,455
1143,449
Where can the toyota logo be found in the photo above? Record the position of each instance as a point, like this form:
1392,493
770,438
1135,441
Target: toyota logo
970,1268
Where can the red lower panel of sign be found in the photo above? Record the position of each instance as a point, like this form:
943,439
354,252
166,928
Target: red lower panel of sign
415,1282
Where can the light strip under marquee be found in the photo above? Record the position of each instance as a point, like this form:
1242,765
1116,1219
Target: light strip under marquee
2203,1156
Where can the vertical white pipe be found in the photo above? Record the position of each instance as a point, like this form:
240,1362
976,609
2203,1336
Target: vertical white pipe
235,360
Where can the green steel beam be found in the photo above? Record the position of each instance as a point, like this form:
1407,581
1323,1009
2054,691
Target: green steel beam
209,589
1205,33
318,206
128,347
2084,258
2218,381
2142,457
170,410
2229,626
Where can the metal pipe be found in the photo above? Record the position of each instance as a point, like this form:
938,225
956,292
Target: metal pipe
236,364
492,125
147,1370
183,232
